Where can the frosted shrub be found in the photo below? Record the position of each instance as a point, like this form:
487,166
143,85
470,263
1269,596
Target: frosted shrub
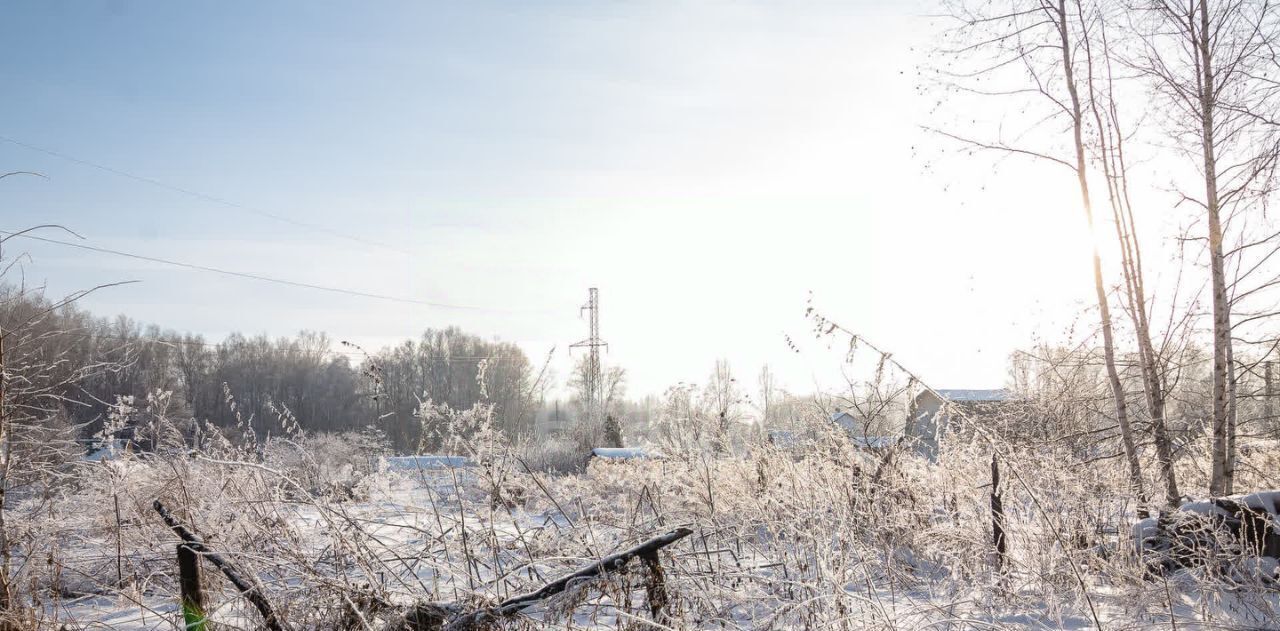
555,455
471,432
328,465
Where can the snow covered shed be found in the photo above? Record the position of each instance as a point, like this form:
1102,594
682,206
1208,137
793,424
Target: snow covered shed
621,453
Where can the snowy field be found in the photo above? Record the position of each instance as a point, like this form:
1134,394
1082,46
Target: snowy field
830,537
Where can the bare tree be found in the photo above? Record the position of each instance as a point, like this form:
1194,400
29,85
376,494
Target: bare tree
1034,44
683,418
1109,141
767,401
38,369
611,390
724,398
1213,63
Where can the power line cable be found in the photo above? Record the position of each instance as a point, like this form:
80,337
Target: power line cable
326,351
204,197
266,279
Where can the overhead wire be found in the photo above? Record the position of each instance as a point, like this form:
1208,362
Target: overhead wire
267,279
331,352
204,196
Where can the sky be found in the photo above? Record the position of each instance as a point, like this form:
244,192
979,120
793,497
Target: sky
707,165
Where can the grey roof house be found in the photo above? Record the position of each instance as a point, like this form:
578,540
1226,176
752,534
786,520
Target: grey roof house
938,412
934,414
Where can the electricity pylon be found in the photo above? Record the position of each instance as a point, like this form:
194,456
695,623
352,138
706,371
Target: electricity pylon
595,397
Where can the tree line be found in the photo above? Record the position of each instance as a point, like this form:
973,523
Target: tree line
82,364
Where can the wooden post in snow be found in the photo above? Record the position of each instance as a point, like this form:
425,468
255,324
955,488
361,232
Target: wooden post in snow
245,583
997,518
193,615
655,588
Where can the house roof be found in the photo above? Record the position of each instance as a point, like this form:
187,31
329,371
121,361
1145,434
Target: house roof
785,438
976,396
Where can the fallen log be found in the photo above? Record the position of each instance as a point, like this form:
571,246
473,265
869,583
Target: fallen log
248,589
428,616
432,617
1216,532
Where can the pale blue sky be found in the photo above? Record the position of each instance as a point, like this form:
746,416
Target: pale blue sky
705,164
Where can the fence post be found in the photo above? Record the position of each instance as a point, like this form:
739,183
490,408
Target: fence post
997,518
193,616
655,586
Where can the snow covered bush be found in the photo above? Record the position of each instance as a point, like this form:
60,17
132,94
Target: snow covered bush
328,465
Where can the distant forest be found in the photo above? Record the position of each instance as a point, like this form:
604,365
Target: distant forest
308,378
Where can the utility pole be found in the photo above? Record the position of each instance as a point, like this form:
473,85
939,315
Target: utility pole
595,402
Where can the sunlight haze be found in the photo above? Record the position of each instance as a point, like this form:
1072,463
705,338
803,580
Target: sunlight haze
705,165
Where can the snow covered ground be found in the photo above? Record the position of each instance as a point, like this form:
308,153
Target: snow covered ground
781,540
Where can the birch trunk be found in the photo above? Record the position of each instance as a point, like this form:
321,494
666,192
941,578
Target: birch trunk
1218,473
1104,309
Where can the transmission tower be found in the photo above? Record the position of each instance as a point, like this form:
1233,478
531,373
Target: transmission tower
595,395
